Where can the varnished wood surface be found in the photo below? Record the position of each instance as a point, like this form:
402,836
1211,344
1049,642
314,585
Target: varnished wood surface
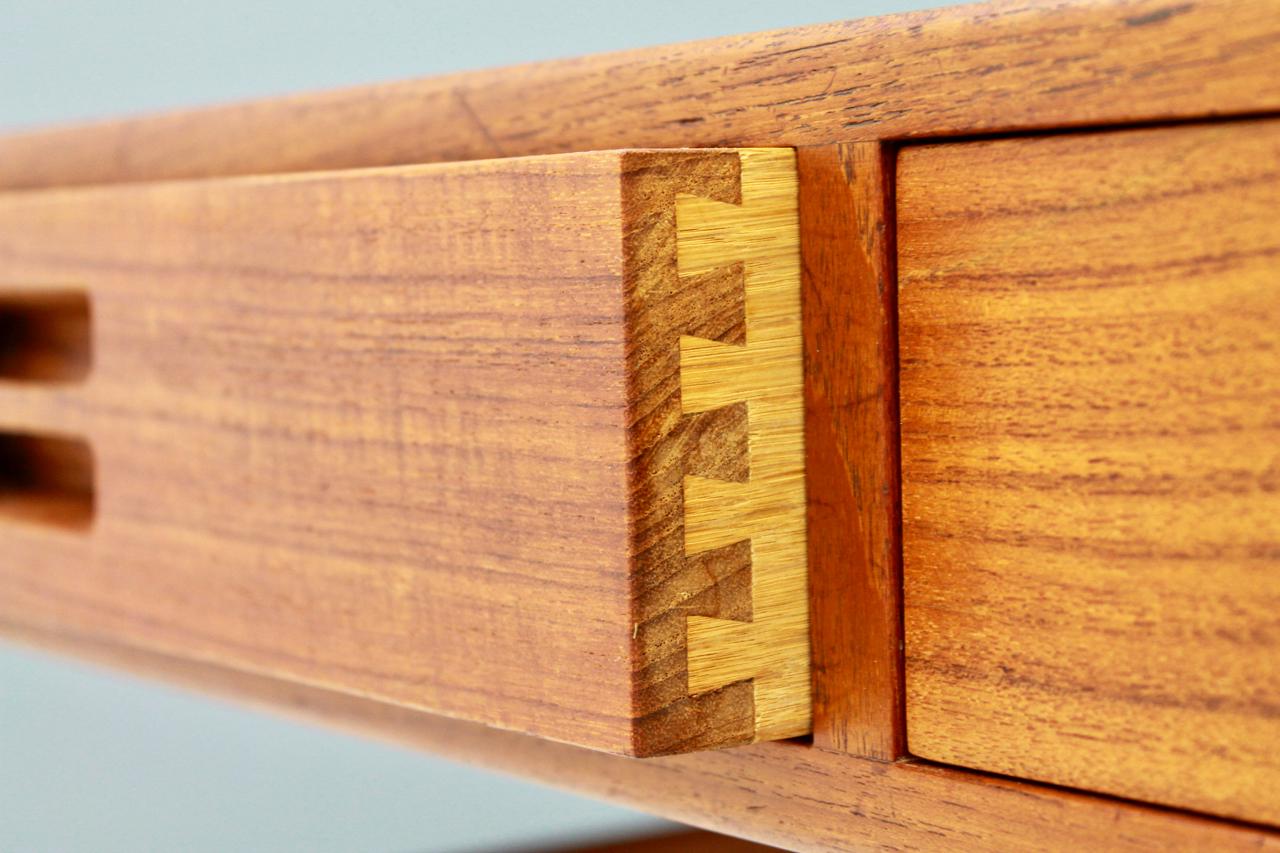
417,434
969,69
851,429
786,793
1090,356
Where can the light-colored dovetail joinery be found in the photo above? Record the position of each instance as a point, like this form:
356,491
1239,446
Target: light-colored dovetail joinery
766,373
735,417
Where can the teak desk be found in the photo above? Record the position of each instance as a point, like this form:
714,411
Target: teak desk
857,436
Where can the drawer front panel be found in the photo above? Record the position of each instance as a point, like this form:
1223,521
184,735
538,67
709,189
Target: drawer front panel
1090,369
494,440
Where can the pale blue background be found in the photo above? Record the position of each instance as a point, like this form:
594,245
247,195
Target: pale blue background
92,761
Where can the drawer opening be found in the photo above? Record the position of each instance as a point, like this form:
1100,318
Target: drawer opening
46,479
44,335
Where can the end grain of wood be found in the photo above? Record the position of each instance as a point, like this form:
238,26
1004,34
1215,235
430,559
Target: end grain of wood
762,234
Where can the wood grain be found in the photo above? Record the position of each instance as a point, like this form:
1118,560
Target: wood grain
424,423
1090,331
761,234
851,443
784,793
964,70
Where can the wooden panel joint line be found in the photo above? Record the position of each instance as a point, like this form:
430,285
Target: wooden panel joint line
766,373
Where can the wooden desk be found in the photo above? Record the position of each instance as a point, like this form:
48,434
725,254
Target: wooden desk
1037,298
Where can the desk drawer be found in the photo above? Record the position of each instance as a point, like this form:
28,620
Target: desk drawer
1090,369
494,440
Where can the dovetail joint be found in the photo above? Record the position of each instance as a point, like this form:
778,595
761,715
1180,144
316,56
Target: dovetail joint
772,650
